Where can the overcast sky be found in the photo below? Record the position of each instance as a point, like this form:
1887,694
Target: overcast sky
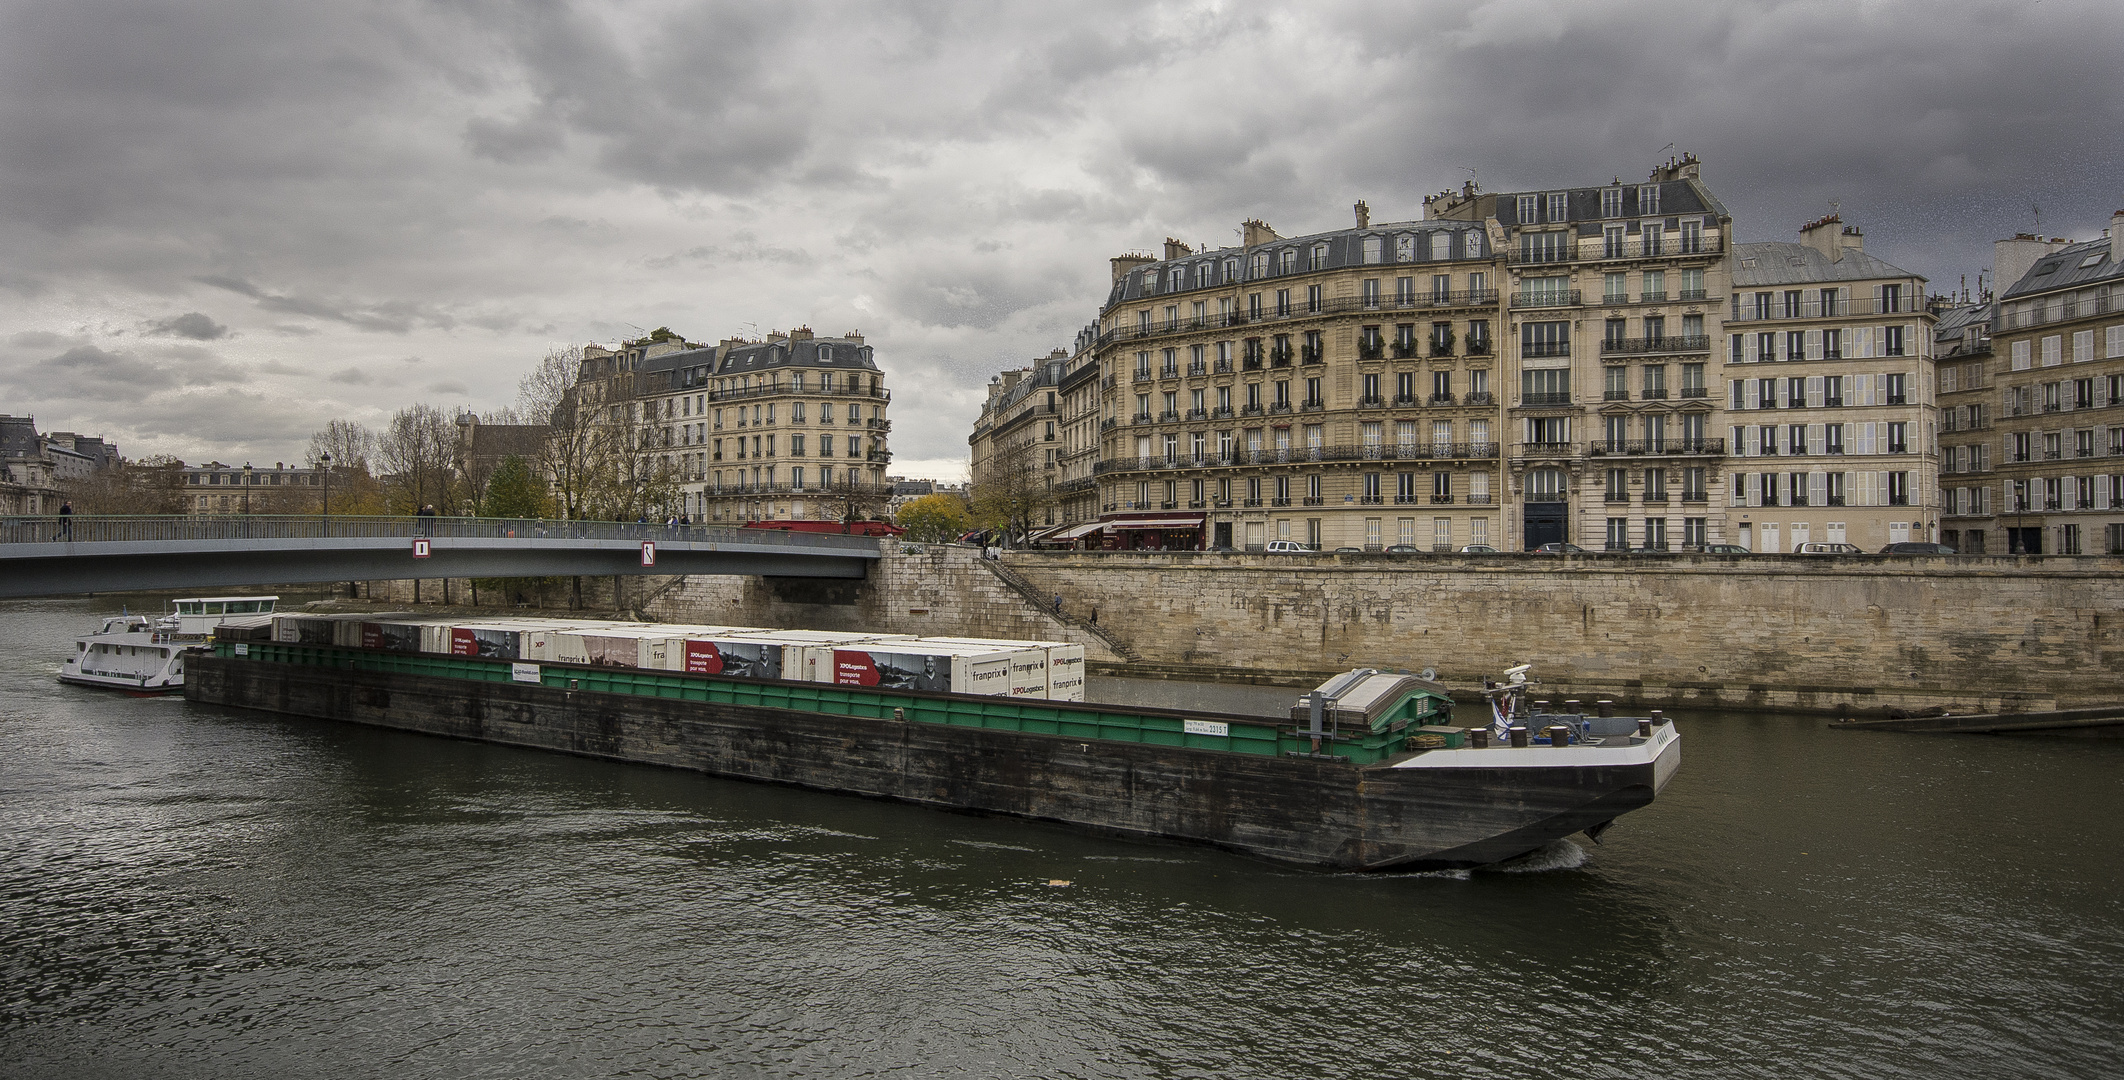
227,223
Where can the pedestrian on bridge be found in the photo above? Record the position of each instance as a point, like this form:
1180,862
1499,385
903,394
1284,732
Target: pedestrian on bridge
425,517
66,520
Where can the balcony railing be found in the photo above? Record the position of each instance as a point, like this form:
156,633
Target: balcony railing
1546,398
1546,298
1429,301
1657,447
1384,452
1745,309
1640,346
783,390
1479,397
1694,392
1599,250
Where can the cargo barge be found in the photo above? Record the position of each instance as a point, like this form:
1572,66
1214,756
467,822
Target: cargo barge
1369,778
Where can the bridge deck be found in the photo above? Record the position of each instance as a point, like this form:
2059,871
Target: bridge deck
50,556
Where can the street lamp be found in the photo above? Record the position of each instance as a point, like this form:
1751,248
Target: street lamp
247,489
325,460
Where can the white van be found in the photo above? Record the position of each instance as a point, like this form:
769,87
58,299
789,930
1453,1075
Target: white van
1288,547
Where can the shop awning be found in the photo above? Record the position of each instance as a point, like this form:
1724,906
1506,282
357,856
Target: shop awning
1191,521
1073,532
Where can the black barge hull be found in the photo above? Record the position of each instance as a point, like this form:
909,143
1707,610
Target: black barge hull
1318,813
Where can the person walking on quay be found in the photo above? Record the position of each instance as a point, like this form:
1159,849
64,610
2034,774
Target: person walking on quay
66,520
1058,603
1095,616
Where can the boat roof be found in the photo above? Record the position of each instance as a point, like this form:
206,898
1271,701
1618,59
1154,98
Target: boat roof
218,599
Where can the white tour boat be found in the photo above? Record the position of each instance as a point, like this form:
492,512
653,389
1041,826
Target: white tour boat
130,652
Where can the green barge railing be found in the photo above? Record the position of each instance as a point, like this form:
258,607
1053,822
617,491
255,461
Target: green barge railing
1076,720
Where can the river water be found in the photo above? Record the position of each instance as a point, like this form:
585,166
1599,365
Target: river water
194,892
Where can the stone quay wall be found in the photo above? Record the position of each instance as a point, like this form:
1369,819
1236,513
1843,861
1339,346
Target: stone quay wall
1779,632
1863,636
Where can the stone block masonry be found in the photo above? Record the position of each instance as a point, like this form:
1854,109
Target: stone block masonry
1864,635
936,590
1785,632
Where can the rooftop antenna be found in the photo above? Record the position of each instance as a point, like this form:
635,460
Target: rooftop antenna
1663,149
2037,210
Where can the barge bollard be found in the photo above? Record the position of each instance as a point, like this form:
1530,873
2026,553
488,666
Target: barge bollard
1479,738
1559,734
1606,707
1644,728
1520,738
1575,707
1658,717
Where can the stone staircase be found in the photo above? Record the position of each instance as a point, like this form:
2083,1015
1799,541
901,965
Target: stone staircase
1043,601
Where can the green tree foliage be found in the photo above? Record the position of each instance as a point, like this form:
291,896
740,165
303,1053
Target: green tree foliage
933,519
514,491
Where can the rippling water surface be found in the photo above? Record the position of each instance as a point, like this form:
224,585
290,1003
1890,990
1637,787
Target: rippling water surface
188,891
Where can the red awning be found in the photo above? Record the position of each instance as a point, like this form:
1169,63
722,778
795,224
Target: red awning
1192,521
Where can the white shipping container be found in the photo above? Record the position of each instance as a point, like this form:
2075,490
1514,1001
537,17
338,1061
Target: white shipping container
1065,663
740,656
616,646
913,664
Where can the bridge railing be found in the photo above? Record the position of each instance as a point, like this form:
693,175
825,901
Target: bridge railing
84,528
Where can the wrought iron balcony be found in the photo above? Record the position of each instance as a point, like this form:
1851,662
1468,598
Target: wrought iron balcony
1641,346
1547,298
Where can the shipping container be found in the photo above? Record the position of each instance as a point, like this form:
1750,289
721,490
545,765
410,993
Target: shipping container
916,664
1065,662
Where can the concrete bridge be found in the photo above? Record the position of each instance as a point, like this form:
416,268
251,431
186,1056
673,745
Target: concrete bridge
50,556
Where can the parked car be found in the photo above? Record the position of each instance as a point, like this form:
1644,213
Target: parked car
1287,547
1559,548
1917,547
1726,549
1405,549
1478,549
1347,550
1828,549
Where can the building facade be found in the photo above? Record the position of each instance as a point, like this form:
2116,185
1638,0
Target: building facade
1829,395
215,489
2033,459
1336,389
1613,300
791,428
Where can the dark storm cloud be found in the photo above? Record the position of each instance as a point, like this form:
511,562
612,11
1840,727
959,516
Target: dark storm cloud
89,373
487,178
192,324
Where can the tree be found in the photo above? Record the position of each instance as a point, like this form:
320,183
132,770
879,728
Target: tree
153,485
1008,490
933,519
514,491
416,451
553,392
351,445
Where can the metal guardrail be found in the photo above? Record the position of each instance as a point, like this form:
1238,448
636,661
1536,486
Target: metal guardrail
90,528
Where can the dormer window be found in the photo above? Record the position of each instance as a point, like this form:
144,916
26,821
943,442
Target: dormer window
1529,209
1647,200
1558,206
1611,202
825,354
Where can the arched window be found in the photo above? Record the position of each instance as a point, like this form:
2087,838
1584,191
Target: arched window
1546,485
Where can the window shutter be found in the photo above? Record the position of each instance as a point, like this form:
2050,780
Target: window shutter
1880,298
1818,489
2101,393
1814,391
1814,439
1814,344
1755,395
2069,489
1740,442
1755,489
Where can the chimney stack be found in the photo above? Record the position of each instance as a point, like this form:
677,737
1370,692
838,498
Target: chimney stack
1257,231
2116,238
1174,248
1364,215
1122,264
1821,235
